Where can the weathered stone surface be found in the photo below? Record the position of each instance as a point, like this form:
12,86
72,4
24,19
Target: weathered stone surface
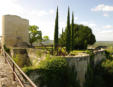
6,75
36,55
81,63
14,31
21,56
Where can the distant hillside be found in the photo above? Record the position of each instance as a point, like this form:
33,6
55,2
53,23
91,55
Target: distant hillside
103,43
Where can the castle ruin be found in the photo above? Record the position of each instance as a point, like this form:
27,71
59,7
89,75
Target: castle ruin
14,31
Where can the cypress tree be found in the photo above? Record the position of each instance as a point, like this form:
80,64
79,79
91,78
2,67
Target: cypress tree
56,31
68,33
72,32
62,31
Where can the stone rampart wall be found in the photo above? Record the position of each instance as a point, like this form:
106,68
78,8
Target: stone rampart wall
82,62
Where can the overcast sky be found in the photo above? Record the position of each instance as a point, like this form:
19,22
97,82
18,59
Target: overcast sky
97,14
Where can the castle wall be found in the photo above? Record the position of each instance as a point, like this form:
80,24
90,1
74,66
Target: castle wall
14,30
82,62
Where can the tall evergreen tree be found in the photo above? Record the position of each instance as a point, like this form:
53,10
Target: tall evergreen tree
68,33
72,32
62,31
56,31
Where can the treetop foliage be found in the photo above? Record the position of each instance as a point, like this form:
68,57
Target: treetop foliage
83,37
34,34
56,31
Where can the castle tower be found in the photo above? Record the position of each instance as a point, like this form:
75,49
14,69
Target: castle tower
14,31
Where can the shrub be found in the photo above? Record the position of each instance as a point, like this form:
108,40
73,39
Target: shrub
6,49
108,65
54,72
61,51
21,60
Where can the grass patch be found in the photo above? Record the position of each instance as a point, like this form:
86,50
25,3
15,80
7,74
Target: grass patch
76,52
110,49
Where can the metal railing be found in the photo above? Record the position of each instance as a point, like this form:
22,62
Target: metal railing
18,74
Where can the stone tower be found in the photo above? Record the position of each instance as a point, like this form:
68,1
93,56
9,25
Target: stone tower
14,31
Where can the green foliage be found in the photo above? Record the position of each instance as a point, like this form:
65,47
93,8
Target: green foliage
109,49
55,72
76,52
56,31
107,54
72,33
83,37
101,75
53,63
61,51
72,77
68,33
6,49
45,38
26,69
62,39
108,65
89,76
21,61
34,34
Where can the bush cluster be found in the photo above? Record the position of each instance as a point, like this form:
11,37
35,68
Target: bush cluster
55,72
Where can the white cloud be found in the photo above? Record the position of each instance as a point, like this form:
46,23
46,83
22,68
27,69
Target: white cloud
106,15
45,19
37,17
90,24
101,33
51,11
103,8
76,18
108,27
41,13
104,35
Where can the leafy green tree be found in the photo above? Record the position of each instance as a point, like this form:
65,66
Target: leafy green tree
72,32
56,31
83,37
68,33
34,34
45,38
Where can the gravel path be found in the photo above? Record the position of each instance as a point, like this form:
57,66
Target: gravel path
6,75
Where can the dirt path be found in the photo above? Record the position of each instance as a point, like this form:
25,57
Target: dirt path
6,75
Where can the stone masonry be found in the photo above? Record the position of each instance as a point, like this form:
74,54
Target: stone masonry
6,75
14,31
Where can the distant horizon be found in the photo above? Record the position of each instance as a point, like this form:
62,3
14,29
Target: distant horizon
109,41
96,41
